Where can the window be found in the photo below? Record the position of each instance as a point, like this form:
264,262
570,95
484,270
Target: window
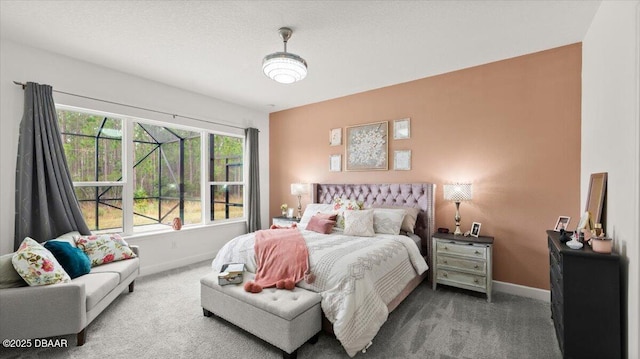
226,176
93,149
165,172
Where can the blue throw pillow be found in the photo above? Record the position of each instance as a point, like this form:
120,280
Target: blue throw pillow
74,261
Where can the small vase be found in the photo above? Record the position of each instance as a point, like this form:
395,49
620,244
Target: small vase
177,224
284,213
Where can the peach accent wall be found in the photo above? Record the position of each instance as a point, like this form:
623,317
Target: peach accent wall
512,128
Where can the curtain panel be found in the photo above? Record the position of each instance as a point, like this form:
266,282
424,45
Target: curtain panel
46,204
253,206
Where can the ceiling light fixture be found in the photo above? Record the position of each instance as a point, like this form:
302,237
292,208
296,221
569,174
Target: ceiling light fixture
284,67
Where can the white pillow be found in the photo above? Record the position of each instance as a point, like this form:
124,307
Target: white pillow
313,209
359,223
388,221
410,217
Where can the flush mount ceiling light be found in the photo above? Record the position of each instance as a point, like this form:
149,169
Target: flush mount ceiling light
284,67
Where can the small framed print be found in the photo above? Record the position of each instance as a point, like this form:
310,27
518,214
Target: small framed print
475,229
335,137
290,213
562,223
402,129
335,163
402,160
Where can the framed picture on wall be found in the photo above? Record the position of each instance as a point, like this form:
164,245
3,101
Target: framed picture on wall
402,129
335,163
367,147
402,160
335,137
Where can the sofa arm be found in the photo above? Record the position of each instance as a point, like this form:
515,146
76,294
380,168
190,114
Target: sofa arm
135,249
42,311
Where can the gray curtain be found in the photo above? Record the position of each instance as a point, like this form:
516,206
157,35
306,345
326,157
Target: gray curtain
46,204
253,207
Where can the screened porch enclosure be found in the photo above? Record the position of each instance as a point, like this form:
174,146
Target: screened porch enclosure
165,170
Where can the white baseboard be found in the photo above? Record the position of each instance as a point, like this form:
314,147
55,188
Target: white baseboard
161,267
522,291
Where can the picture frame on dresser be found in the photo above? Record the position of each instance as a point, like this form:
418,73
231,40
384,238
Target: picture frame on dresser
562,223
475,229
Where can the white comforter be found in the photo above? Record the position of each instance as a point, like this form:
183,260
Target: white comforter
356,276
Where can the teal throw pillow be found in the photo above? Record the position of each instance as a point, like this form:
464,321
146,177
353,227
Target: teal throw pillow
74,261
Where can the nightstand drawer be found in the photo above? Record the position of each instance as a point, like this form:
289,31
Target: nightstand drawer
445,276
463,250
474,266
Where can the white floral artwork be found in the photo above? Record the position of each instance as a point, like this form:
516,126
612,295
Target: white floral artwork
367,147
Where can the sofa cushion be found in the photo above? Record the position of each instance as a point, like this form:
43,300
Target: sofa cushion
123,268
104,248
74,261
36,265
9,278
97,286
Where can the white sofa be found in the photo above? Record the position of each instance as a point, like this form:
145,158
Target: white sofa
65,308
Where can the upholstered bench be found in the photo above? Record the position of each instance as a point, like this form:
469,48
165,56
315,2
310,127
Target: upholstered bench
285,318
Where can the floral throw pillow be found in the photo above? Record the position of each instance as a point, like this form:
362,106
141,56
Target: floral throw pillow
341,205
37,266
104,248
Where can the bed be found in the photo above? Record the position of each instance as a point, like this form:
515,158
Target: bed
361,279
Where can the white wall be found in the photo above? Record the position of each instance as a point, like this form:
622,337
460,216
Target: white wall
158,252
611,136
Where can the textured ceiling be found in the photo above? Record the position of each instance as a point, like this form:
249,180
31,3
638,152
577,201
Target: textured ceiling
216,47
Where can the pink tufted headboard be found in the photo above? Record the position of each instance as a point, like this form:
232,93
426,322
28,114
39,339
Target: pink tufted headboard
419,195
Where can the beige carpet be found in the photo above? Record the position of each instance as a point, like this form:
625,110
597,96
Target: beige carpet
163,319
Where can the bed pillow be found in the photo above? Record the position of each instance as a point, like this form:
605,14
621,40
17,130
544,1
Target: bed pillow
9,278
342,205
313,209
359,223
104,248
36,265
322,223
410,216
388,221
74,261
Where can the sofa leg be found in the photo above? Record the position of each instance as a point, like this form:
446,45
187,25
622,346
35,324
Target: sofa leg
131,286
206,312
81,337
293,355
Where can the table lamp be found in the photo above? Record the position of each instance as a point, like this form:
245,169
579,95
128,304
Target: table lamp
458,192
298,189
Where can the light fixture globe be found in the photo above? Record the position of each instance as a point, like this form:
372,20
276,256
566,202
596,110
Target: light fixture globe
284,67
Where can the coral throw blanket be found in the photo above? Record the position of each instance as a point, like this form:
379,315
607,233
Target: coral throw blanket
282,258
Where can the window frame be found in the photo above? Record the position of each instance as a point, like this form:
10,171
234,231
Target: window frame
128,160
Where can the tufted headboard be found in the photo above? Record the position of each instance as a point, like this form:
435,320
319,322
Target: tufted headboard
418,195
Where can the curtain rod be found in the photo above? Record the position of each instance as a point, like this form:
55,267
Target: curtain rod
136,107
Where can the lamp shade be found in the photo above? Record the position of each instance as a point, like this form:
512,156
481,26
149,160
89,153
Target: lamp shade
298,189
458,192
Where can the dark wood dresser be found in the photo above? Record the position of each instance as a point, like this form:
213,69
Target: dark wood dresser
585,300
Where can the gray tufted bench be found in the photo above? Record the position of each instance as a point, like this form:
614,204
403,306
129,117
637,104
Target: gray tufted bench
284,318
